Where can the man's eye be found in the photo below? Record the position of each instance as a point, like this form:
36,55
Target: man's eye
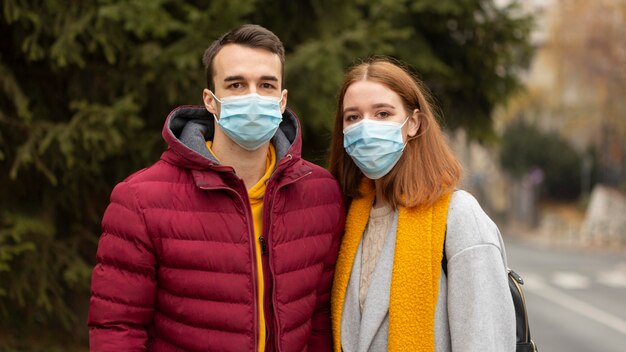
267,86
235,85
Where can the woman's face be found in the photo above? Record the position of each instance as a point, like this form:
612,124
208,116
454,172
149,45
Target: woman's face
374,101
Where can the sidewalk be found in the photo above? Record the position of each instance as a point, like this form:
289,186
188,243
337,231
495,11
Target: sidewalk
560,226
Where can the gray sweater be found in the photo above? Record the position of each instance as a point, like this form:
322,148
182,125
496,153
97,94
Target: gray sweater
474,309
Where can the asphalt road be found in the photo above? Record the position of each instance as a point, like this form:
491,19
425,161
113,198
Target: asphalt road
576,298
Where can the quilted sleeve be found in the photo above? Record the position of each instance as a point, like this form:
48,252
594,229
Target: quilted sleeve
123,284
321,334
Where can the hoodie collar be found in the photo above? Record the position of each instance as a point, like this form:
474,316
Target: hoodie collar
187,129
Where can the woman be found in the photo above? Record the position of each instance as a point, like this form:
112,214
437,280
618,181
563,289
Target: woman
399,177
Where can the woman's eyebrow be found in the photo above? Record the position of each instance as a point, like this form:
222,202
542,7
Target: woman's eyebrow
383,105
350,108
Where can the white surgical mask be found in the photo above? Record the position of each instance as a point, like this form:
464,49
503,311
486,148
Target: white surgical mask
375,146
249,120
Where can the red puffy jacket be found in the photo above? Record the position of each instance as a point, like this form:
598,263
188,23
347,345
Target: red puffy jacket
176,265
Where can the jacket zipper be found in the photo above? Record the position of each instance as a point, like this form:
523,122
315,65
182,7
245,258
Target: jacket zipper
268,245
263,245
254,261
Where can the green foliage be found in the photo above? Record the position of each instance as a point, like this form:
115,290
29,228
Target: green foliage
467,52
85,87
525,147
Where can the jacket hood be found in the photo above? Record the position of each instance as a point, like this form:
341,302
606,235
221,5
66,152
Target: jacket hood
187,128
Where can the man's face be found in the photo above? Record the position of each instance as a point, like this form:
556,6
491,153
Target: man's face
240,70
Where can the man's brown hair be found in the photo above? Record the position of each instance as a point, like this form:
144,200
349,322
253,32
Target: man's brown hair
427,168
248,35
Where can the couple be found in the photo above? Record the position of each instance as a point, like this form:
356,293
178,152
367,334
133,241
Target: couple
232,242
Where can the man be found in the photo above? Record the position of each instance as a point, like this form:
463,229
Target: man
228,242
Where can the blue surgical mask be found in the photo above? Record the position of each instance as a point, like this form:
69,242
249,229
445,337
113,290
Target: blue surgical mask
375,146
249,120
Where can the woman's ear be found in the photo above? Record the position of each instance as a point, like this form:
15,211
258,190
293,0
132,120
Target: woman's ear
413,124
209,101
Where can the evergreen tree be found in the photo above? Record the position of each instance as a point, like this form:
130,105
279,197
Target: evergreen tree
86,85
468,53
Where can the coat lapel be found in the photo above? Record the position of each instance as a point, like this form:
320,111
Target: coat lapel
376,305
356,222
351,317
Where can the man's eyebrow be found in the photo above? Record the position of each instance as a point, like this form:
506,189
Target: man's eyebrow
269,78
233,78
241,78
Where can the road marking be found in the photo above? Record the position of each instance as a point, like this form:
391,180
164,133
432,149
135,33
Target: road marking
535,285
614,278
570,280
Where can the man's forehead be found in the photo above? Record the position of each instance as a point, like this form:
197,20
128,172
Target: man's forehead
236,60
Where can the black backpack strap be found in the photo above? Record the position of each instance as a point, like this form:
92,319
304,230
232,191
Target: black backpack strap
444,258
524,342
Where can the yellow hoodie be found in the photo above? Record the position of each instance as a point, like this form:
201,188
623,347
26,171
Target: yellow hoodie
256,195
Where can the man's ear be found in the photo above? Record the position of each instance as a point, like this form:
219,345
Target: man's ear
414,123
283,101
209,102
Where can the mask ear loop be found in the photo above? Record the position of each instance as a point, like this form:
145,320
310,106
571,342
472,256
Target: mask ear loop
408,138
421,131
215,116
214,97
405,121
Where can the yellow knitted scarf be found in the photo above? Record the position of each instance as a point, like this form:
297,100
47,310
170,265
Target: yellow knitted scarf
415,273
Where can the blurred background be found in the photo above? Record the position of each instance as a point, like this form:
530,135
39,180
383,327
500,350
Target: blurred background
532,95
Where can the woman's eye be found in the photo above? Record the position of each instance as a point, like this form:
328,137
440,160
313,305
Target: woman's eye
351,118
383,114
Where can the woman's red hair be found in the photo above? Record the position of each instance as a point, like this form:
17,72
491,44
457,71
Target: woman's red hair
427,168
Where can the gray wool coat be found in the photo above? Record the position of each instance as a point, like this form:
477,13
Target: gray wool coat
474,309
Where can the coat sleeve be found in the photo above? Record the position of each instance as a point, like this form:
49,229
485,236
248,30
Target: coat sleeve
481,314
321,334
123,284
